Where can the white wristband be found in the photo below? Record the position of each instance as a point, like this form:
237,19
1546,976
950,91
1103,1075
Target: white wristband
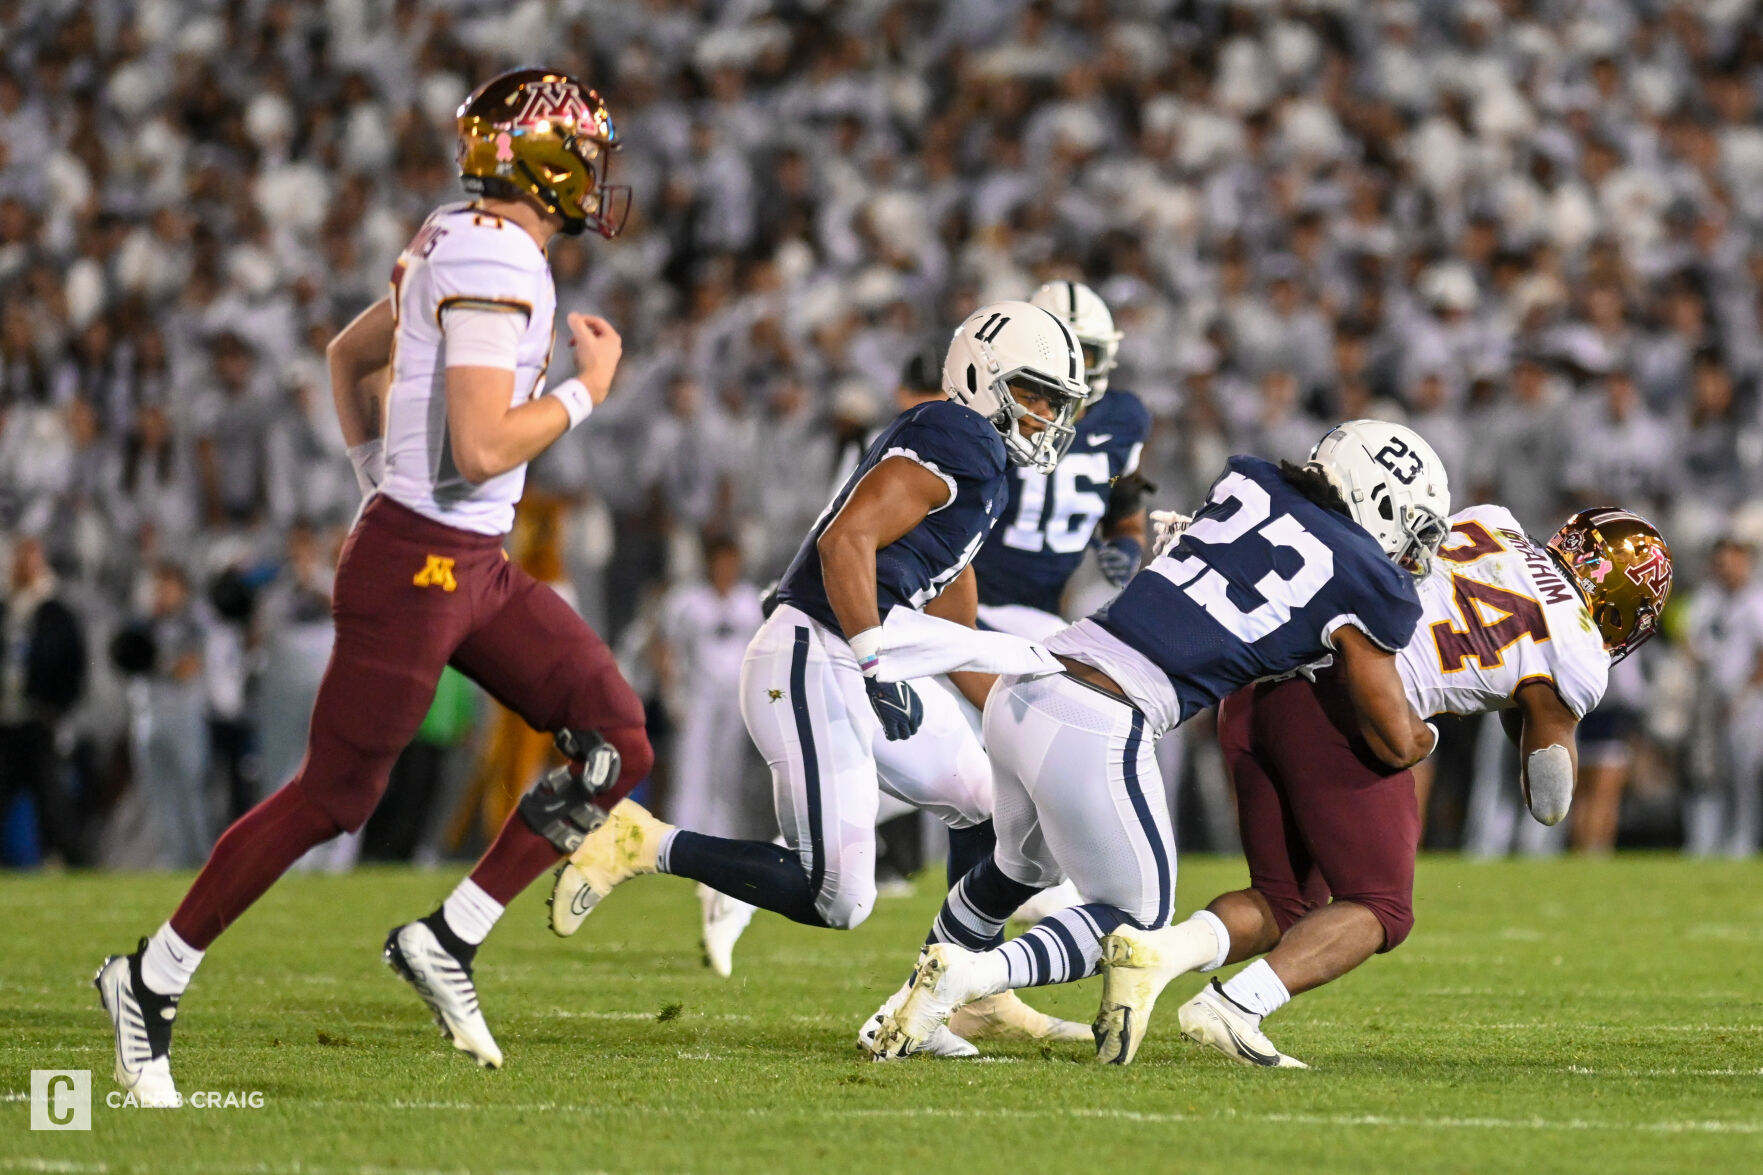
573,395
369,460
866,645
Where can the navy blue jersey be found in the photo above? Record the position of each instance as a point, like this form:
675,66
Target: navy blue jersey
1038,546
964,449
1254,586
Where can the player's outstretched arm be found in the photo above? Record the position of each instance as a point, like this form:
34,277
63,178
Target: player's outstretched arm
491,435
1396,734
360,363
891,499
959,602
1548,756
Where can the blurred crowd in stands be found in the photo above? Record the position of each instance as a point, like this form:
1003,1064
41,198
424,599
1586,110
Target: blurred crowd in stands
1531,228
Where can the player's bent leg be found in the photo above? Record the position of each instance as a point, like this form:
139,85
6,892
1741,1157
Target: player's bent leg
803,703
1104,814
392,641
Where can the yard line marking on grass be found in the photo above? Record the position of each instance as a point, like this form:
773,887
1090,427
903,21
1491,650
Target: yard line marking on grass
296,1167
1561,1026
1149,1117
1584,1072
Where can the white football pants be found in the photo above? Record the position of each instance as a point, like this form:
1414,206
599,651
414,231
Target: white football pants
1076,794
803,700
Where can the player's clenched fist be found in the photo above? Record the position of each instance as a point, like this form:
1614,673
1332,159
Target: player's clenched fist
597,351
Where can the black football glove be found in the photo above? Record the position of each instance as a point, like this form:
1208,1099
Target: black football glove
896,705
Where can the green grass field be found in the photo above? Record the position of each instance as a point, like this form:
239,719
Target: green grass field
1551,1016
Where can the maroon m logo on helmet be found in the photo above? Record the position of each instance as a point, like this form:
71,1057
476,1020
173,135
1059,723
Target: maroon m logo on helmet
1652,573
557,100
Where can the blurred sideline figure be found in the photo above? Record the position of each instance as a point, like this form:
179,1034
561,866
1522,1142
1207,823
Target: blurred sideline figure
42,675
704,630
1725,624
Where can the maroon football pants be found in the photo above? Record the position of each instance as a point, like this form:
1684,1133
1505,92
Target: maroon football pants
413,596
1319,814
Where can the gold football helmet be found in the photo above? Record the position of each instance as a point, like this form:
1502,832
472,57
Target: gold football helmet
544,134
1622,568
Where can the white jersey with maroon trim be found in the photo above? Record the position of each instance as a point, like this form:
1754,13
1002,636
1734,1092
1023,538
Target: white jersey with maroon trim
1498,613
467,259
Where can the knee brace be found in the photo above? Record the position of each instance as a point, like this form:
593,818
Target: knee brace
560,807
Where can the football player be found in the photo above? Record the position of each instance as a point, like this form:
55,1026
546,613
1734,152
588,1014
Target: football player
1282,566
1094,493
1094,498
1507,625
455,358
901,533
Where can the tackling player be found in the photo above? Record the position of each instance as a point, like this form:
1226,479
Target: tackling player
1281,566
458,353
1093,493
1510,626
900,533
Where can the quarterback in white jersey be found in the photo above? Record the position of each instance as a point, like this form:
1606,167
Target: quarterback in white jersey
1507,625
439,391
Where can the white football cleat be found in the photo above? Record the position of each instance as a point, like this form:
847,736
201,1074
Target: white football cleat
941,1043
725,918
947,976
624,847
1005,1017
142,1020
444,983
1136,966
1212,1020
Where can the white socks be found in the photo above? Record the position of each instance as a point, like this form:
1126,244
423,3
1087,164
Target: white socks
994,970
471,912
1221,951
1257,989
168,962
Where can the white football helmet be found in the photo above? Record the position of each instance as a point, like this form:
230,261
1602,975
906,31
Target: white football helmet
1394,486
1013,345
1087,315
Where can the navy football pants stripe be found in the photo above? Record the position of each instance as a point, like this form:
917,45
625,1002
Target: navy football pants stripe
810,762
1136,793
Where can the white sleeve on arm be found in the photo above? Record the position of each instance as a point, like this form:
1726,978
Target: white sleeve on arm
478,335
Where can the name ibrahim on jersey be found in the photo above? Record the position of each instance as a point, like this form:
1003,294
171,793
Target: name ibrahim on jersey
423,582
810,691
1281,567
1053,517
1506,625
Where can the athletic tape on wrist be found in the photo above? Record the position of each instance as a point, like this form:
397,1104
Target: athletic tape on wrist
866,647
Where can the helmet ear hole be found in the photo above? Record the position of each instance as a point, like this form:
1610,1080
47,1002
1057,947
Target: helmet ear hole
1386,508
972,380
